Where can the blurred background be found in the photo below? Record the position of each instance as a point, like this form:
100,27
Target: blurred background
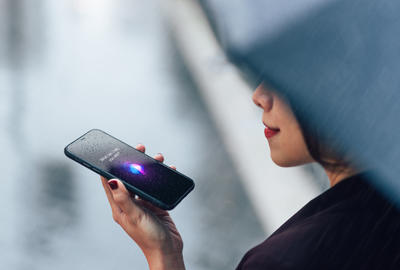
146,72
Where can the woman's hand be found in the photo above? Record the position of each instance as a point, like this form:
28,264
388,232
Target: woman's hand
149,226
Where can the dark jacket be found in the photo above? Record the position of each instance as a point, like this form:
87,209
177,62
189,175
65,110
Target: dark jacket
349,226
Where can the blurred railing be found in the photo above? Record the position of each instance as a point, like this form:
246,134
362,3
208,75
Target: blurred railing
276,193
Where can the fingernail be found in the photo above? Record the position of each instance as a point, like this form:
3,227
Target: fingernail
113,184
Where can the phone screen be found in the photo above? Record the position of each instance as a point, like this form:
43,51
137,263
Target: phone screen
144,175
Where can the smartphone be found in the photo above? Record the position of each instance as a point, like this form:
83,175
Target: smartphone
142,175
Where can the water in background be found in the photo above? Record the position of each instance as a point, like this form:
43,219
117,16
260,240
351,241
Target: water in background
69,66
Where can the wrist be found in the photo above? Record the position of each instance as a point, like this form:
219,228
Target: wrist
159,260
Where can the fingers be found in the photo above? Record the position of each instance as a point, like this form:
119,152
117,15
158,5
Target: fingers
140,147
154,209
158,156
121,197
123,208
114,207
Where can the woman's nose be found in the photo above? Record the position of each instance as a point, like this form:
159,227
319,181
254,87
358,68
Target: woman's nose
262,98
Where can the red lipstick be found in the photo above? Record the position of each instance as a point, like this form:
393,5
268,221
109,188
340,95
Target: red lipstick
270,132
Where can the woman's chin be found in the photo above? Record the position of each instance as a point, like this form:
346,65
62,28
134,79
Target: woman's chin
283,164
286,162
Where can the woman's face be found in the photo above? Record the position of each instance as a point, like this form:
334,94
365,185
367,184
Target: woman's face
282,131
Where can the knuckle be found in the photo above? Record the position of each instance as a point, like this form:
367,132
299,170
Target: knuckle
119,197
136,219
115,218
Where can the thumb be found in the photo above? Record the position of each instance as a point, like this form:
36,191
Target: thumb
121,197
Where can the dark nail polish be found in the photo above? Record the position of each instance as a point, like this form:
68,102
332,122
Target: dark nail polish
113,184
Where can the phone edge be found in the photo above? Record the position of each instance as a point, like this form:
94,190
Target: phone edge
127,185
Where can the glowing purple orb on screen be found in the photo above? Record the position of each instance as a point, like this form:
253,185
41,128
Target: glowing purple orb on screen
136,168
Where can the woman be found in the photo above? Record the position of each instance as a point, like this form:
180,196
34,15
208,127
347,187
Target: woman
350,226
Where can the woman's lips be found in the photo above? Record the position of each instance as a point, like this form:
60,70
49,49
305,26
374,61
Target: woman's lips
269,132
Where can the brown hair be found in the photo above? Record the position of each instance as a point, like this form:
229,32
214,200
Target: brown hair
318,146
321,152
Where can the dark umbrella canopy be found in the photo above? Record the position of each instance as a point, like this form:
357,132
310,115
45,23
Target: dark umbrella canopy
338,62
